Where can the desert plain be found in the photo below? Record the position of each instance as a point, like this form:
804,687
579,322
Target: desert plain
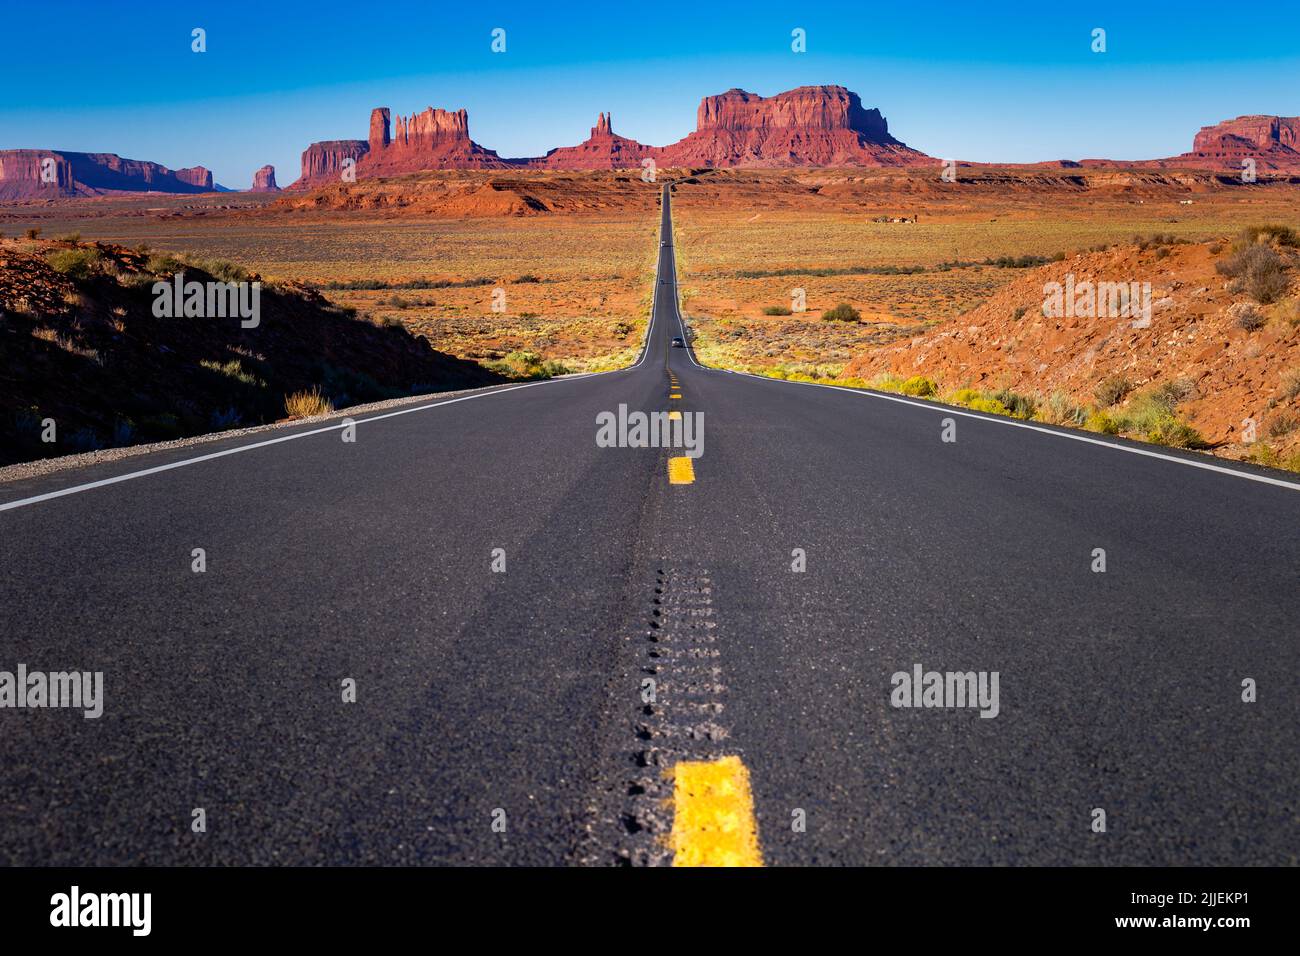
539,272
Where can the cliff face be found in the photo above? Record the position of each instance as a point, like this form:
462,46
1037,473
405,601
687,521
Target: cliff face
821,108
91,173
196,176
434,139
1272,142
808,126
1263,132
20,175
323,162
264,181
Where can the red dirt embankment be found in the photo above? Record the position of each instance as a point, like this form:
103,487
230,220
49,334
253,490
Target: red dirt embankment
1228,359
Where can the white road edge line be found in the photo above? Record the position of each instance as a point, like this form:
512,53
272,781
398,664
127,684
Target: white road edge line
157,469
999,420
22,502
994,419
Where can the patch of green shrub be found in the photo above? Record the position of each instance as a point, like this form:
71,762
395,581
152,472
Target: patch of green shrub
76,263
1269,232
919,386
1016,404
164,263
1260,269
1102,423
842,313
1061,409
232,369
990,405
1111,390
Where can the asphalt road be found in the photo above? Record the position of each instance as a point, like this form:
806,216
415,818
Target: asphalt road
500,717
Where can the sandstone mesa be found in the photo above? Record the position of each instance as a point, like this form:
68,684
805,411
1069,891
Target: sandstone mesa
811,126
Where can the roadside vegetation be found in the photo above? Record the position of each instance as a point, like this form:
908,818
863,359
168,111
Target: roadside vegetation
308,403
1150,415
526,366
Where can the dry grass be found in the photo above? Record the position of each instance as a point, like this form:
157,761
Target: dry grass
307,404
576,287
736,235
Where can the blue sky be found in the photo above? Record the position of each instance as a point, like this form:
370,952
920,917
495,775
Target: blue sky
975,80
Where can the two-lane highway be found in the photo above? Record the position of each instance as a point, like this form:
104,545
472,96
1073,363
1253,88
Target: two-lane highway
560,655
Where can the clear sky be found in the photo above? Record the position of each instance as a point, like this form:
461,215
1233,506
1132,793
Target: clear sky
977,80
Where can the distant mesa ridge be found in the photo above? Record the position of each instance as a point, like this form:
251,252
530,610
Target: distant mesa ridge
1272,141
47,173
808,126
1262,132
804,127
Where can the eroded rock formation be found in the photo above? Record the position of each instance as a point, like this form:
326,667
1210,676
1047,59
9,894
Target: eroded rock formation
38,173
264,180
809,126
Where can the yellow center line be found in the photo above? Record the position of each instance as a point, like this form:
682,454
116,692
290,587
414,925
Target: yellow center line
674,416
713,814
674,394
681,471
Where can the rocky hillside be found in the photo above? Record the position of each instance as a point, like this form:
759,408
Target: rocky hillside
1220,355
80,345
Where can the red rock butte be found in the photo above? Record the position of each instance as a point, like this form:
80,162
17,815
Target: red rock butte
809,126
434,139
50,174
264,181
805,127
1272,141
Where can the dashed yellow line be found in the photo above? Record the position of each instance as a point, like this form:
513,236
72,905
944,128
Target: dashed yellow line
674,394
713,815
674,416
681,471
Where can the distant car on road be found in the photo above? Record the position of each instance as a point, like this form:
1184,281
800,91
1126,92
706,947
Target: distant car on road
677,342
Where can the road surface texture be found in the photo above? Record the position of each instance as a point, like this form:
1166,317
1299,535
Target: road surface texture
548,713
